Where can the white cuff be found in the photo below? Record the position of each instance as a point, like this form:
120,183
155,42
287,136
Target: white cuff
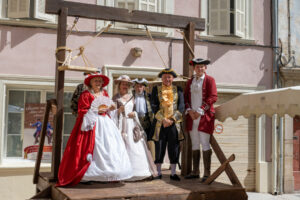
200,111
89,120
89,157
187,110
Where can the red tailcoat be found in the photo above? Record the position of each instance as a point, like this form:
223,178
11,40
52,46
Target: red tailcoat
74,163
209,97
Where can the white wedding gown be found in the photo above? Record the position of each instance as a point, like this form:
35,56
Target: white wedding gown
136,150
110,161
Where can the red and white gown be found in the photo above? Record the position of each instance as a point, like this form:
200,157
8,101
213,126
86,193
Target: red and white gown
95,150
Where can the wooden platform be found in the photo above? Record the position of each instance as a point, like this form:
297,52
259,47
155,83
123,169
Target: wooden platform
155,189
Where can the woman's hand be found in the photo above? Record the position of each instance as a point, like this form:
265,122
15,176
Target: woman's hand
112,107
102,110
131,115
121,109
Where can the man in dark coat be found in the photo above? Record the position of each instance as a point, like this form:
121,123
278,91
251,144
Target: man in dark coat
143,105
168,106
199,96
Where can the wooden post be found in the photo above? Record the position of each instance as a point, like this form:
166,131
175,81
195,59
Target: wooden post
189,33
220,155
59,93
186,157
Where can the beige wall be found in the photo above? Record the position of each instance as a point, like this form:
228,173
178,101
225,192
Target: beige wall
16,183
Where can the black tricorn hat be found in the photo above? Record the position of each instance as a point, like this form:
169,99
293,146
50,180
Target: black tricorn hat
142,81
199,61
167,71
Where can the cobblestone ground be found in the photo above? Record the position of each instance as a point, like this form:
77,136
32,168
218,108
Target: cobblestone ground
263,196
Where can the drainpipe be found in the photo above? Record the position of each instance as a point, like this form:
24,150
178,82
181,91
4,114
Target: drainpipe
275,85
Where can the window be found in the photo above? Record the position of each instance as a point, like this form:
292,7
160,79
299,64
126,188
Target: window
161,6
227,17
24,108
25,9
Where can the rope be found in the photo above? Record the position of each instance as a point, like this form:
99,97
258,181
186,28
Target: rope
69,58
104,29
149,34
73,26
190,48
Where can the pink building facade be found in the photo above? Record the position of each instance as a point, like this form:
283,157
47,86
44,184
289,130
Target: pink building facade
238,45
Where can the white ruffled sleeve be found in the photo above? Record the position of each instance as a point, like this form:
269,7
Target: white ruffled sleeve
89,120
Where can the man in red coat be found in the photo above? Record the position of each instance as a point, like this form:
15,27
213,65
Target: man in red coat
199,96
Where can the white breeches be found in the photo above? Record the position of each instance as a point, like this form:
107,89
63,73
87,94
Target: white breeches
199,137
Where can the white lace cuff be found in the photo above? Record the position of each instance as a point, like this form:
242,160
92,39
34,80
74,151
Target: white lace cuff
200,111
89,120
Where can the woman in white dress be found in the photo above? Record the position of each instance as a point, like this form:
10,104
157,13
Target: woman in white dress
137,150
95,150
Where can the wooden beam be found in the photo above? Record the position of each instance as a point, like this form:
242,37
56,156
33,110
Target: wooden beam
219,171
220,155
59,92
189,33
93,11
42,141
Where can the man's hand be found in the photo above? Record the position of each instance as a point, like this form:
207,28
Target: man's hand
196,115
191,113
167,122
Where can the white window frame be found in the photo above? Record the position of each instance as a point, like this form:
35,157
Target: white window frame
25,83
165,6
36,19
248,38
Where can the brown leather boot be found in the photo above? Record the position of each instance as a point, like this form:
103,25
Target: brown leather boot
207,162
196,161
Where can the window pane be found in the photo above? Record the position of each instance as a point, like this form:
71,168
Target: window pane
121,5
16,98
14,123
14,146
33,97
67,101
69,122
50,95
65,140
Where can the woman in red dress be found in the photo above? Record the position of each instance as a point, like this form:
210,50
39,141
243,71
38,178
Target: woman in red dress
95,150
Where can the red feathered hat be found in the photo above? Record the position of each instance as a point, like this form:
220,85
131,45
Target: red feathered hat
89,77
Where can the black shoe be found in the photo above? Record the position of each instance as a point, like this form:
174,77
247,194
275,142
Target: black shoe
174,177
157,177
191,176
204,179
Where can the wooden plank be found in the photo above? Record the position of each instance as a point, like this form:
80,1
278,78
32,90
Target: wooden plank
59,92
46,193
42,141
220,155
93,11
77,68
221,169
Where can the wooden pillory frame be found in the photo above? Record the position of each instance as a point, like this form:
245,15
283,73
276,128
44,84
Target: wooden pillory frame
45,183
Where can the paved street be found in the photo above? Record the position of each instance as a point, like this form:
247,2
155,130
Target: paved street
263,196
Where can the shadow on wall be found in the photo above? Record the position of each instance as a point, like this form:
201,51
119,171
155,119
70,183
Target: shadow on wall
3,40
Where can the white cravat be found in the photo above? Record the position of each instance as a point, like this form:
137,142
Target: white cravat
140,104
